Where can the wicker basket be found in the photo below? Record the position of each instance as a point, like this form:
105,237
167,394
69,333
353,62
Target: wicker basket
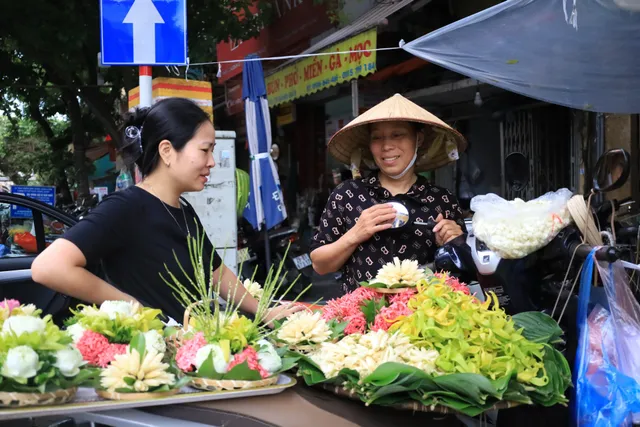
412,405
135,396
217,385
19,400
175,341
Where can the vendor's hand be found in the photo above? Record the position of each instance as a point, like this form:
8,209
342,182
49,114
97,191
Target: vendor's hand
372,220
280,312
446,230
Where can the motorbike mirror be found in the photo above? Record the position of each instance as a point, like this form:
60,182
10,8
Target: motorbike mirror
516,170
611,171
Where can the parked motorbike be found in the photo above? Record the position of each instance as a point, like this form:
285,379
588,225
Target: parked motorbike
285,245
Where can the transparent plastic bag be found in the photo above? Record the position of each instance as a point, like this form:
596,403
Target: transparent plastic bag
515,229
605,373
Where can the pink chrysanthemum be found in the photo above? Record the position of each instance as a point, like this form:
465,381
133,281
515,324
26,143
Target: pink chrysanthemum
453,282
110,353
9,304
388,315
251,357
186,354
92,345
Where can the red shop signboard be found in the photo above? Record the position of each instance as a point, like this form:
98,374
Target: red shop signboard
295,22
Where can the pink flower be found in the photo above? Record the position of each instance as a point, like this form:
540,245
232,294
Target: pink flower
453,282
92,345
110,353
251,357
403,297
186,355
357,323
388,315
9,304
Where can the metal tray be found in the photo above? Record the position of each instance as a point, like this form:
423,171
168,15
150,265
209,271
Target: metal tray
88,401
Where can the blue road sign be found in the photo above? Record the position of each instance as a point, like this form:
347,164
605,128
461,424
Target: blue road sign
143,32
44,194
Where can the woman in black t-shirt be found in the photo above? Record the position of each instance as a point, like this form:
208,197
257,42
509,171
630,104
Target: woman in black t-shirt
139,232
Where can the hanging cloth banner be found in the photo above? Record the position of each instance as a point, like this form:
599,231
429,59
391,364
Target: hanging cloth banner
313,74
580,54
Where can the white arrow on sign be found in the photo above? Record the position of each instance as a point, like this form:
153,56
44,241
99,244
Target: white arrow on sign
144,16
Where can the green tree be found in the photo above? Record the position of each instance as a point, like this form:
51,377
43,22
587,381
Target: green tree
54,44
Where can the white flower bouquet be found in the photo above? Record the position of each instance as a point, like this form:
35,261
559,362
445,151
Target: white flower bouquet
38,362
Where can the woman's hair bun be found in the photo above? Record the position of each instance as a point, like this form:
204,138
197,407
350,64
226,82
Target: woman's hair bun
135,117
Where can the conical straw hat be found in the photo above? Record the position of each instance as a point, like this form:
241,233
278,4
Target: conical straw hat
442,143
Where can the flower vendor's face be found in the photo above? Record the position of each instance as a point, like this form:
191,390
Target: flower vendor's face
195,160
393,145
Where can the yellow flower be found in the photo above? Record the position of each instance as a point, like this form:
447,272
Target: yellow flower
304,327
149,374
404,272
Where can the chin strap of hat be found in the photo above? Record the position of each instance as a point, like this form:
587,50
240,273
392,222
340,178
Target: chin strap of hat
409,166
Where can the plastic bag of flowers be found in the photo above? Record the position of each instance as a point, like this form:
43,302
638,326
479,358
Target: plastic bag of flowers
219,348
38,363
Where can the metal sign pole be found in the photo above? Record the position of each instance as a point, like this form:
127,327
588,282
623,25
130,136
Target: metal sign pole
146,86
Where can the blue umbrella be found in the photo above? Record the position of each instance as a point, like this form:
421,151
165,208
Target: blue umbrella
265,197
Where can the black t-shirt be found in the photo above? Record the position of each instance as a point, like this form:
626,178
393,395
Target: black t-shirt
135,236
423,201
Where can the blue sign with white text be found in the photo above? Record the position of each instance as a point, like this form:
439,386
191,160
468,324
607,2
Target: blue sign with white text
143,32
44,194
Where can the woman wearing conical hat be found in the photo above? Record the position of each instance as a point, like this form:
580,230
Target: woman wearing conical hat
399,139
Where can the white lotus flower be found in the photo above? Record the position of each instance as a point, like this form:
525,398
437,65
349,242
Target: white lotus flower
23,324
253,288
404,272
76,331
69,361
154,341
304,326
22,363
268,358
123,308
219,363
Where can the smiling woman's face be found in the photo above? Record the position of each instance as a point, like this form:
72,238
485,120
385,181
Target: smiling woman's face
393,145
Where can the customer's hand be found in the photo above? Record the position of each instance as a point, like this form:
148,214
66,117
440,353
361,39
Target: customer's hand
446,230
372,220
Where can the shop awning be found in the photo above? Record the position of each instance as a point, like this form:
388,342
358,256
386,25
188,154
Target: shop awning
370,19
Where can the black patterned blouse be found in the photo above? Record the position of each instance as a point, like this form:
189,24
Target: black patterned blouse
423,200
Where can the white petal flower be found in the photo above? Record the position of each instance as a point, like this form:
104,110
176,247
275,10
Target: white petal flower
28,309
21,363
76,331
268,358
303,327
219,363
122,308
154,341
253,288
150,373
406,272
364,353
69,361
23,324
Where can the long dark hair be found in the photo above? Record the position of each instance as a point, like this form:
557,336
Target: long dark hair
173,119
